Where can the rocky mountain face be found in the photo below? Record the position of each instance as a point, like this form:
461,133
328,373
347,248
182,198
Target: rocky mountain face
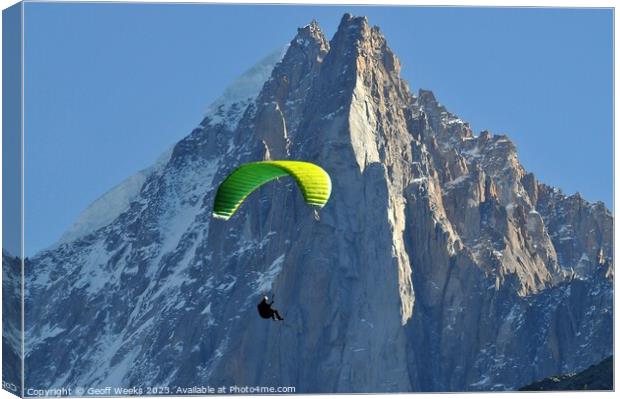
439,263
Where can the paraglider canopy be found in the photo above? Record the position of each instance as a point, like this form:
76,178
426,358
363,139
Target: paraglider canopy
312,180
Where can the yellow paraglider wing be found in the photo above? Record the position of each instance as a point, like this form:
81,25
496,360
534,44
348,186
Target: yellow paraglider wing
313,181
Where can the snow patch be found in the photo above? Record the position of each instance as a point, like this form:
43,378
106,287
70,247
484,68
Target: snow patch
264,281
457,181
47,331
230,106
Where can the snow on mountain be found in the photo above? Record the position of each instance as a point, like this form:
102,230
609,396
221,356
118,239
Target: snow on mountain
106,208
228,108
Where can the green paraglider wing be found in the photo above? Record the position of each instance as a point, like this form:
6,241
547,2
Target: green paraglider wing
314,182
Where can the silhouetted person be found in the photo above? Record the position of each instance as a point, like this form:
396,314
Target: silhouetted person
266,311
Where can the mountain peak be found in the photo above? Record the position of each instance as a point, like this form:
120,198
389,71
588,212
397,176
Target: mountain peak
311,29
368,43
311,36
303,56
349,21
352,29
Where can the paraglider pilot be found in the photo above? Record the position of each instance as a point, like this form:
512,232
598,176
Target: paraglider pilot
266,311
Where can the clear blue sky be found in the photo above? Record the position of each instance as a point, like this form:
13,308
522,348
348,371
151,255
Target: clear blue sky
110,86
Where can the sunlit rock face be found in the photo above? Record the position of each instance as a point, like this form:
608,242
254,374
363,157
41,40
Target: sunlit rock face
439,263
